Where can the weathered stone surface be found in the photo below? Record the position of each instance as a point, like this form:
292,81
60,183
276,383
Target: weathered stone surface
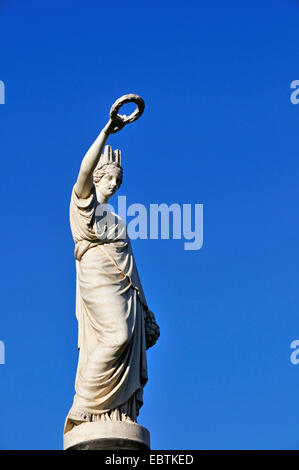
113,435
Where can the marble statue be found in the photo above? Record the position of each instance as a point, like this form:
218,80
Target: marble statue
115,325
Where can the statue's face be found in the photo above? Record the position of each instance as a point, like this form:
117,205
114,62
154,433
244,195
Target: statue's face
109,183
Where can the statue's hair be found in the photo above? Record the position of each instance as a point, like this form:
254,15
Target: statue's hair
101,171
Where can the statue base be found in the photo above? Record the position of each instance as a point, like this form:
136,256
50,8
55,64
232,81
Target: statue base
107,435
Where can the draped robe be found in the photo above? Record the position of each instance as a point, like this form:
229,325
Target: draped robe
110,308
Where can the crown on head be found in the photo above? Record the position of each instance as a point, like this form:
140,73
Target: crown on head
110,157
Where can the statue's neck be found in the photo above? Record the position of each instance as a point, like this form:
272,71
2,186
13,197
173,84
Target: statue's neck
101,199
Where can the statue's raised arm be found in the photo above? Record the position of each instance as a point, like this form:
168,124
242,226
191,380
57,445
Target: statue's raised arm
116,122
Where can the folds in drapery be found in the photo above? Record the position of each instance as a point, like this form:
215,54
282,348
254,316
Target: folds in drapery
110,305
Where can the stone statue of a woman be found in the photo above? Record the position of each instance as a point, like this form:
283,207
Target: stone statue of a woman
115,324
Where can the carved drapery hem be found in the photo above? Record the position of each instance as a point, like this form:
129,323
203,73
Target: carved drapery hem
128,411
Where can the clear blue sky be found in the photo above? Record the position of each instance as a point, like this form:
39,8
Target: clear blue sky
218,129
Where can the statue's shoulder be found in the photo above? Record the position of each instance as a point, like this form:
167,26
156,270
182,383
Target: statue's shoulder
83,203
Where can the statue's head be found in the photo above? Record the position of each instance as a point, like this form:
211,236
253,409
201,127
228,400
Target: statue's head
108,174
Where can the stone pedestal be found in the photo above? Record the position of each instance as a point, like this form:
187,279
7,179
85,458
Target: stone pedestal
107,435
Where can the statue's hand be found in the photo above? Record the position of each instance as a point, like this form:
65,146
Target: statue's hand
114,126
